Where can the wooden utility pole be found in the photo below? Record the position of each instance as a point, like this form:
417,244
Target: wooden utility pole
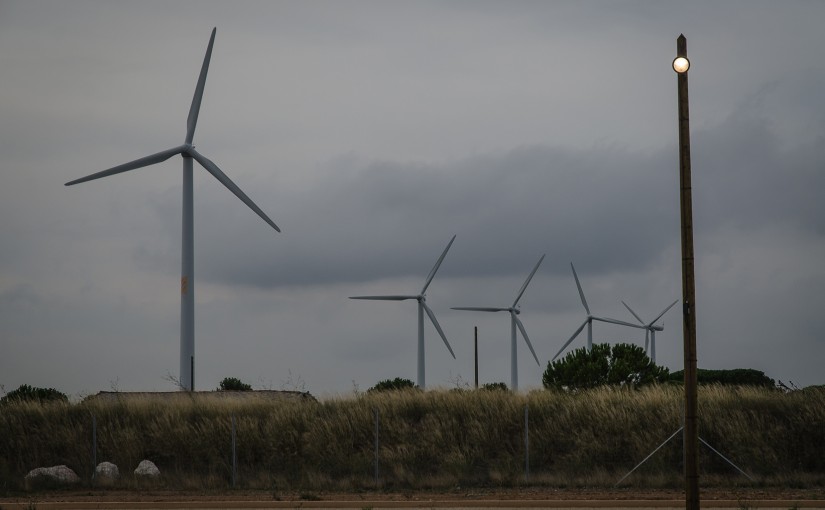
691,432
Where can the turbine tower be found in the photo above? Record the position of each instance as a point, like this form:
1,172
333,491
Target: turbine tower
187,280
514,323
422,307
588,321
650,330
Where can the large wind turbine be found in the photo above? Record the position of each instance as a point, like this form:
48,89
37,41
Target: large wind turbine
514,323
187,280
588,321
422,307
650,329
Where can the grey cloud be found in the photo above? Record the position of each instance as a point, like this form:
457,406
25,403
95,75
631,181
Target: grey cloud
371,133
370,220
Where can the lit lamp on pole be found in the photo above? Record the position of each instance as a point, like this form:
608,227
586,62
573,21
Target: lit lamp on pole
681,64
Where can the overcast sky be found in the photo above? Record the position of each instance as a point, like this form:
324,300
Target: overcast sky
372,132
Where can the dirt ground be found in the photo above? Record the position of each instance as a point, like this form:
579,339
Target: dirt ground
745,497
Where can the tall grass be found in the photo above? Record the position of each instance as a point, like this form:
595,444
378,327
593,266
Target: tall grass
431,439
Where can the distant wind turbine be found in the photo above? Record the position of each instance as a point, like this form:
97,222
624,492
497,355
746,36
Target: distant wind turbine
187,280
422,307
514,323
650,329
588,321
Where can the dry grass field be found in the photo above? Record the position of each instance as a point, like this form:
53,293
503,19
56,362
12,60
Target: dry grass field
441,441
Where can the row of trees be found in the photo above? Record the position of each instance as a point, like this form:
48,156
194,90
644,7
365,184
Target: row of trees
603,365
612,365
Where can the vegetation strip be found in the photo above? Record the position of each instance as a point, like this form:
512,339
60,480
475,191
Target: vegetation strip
433,440
377,505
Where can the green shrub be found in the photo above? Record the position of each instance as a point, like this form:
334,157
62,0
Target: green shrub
495,386
233,384
393,385
26,393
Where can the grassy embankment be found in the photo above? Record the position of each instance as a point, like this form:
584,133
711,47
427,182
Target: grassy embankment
434,439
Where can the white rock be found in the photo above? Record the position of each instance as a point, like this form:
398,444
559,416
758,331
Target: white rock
148,469
56,474
106,473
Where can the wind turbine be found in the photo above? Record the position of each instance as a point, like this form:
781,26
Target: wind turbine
650,329
588,321
187,282
514,323
422,307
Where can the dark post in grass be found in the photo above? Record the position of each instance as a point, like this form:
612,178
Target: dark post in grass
681,64
234,455
375,411
526,444
476,353
94,447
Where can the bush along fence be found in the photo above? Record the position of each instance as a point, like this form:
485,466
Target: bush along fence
424,440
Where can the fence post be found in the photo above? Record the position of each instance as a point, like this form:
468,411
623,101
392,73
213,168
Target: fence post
377,444
234,454
94,447
526,444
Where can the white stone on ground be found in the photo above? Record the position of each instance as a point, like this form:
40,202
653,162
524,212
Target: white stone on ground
148,469
56,474
106,473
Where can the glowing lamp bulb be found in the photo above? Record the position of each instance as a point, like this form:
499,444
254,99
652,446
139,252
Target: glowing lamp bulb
681,64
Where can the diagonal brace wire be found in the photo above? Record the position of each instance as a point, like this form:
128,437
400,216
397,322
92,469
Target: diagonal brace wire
649,456
714,450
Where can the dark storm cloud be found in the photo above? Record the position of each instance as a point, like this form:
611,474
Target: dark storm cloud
378,220
607,208
747,176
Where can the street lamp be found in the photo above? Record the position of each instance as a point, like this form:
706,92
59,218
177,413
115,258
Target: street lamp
681,64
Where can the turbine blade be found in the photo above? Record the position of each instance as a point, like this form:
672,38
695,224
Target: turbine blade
621,323
563,347
526,338
527,281
479,309
437,327
385,298
663,312
138,163
581,293
436,266
634,313
213,169
192,120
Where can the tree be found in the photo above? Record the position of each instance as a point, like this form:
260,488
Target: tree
393,385
233,384
736,377
618,365
26,393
